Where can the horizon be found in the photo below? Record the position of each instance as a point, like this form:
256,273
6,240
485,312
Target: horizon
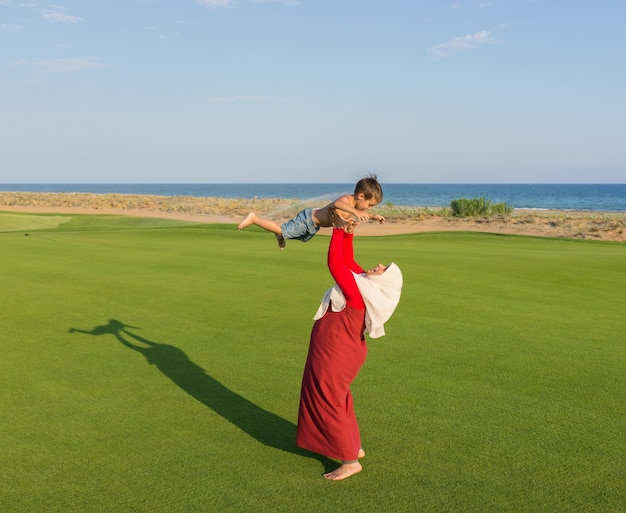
563,196
310,183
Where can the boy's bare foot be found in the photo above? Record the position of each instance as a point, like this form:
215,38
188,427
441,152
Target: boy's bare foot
343,471
281,241
247,221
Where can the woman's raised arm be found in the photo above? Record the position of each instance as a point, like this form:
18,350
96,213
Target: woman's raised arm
340,264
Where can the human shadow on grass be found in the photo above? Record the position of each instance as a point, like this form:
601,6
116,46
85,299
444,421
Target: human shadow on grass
262,425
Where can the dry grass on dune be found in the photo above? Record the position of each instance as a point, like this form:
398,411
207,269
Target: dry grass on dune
139,202
548,223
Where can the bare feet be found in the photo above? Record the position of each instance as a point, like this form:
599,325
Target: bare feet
266,224
250,219
361,453
344,470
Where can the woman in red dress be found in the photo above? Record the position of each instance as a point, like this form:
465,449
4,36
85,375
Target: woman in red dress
360,302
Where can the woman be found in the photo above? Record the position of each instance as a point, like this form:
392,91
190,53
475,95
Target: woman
360,302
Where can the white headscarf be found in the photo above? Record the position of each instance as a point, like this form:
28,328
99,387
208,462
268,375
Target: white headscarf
380,292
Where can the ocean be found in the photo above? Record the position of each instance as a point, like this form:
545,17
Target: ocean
595,197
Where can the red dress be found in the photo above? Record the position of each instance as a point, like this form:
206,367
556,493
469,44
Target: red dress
326,420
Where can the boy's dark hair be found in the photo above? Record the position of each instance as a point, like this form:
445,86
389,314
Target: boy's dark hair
370,188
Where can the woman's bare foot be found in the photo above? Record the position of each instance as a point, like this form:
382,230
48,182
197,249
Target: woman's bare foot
344,470
361,453
250,219
281,241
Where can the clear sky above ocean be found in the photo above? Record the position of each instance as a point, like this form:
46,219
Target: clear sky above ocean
502,91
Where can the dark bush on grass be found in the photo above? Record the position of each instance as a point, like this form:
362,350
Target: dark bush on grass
471,207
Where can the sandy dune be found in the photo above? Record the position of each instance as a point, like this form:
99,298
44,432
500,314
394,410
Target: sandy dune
560,224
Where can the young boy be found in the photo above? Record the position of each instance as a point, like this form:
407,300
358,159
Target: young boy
349,207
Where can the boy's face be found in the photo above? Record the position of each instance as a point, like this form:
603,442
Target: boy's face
365,204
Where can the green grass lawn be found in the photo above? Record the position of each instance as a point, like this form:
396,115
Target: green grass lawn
154,366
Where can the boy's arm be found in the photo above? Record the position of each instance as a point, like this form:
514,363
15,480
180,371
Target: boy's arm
343,204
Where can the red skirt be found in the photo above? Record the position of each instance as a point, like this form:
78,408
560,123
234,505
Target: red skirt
326,420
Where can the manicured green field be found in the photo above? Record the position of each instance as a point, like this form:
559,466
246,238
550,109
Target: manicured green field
154,366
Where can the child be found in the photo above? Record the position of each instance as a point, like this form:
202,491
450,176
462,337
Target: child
349,207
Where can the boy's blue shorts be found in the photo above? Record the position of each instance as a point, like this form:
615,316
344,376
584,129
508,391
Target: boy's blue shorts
301,227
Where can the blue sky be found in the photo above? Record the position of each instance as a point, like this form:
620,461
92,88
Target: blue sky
508,91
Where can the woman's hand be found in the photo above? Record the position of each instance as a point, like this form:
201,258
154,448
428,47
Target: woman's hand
349,227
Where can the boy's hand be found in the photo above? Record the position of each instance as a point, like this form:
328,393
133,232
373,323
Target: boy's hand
378,218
